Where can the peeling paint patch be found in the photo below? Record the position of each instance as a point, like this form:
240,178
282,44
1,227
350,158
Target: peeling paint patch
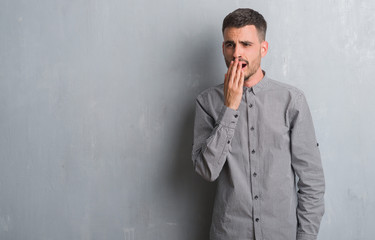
129,233
4,223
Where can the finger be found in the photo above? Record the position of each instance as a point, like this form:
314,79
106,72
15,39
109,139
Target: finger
238,74
233,72
230,69
242,78
225,84
227,75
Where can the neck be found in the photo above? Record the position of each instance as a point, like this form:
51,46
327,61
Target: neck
254,79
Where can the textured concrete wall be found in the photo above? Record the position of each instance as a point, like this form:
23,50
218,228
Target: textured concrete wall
97,104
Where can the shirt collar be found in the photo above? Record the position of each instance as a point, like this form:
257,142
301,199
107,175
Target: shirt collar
260,85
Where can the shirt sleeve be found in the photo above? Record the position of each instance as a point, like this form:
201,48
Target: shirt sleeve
212,140
307,165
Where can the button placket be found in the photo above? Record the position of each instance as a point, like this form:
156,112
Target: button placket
254,162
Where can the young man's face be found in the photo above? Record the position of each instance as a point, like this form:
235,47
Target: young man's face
243,43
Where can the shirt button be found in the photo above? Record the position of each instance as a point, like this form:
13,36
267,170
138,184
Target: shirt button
255,174
256,219
250,105
228,141
253,151
252,128
236,116
256,197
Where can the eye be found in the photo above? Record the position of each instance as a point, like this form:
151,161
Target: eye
229,45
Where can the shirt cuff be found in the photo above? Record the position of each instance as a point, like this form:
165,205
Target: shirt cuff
228,117
303,236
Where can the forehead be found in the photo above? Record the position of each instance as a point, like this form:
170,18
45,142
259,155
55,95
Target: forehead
248,32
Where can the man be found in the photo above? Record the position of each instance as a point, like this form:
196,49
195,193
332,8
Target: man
255,136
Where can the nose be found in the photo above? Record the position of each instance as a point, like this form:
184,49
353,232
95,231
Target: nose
237,52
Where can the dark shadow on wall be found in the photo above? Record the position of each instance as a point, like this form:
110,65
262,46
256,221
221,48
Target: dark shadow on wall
184,181
199,192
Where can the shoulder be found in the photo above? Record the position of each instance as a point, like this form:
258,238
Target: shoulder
293,91
211,94
211,100
287,96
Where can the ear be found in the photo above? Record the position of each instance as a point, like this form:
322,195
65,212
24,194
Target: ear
223,48
264,48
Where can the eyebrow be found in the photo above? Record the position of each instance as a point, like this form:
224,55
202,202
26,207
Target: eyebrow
228,41
246,42
242,42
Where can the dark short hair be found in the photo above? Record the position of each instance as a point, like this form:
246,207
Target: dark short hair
246,16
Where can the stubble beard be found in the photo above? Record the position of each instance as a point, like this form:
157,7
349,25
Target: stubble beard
253,68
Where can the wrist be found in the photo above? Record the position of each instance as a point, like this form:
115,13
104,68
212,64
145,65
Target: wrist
232,106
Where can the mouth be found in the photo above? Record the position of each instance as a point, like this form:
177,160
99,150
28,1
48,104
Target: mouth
244,65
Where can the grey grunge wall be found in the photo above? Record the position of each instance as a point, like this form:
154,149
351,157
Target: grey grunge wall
97,106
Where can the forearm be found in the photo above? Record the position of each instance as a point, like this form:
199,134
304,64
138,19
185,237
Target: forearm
310,207
211,146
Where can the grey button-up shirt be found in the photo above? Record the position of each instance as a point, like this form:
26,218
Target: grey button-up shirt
257,154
